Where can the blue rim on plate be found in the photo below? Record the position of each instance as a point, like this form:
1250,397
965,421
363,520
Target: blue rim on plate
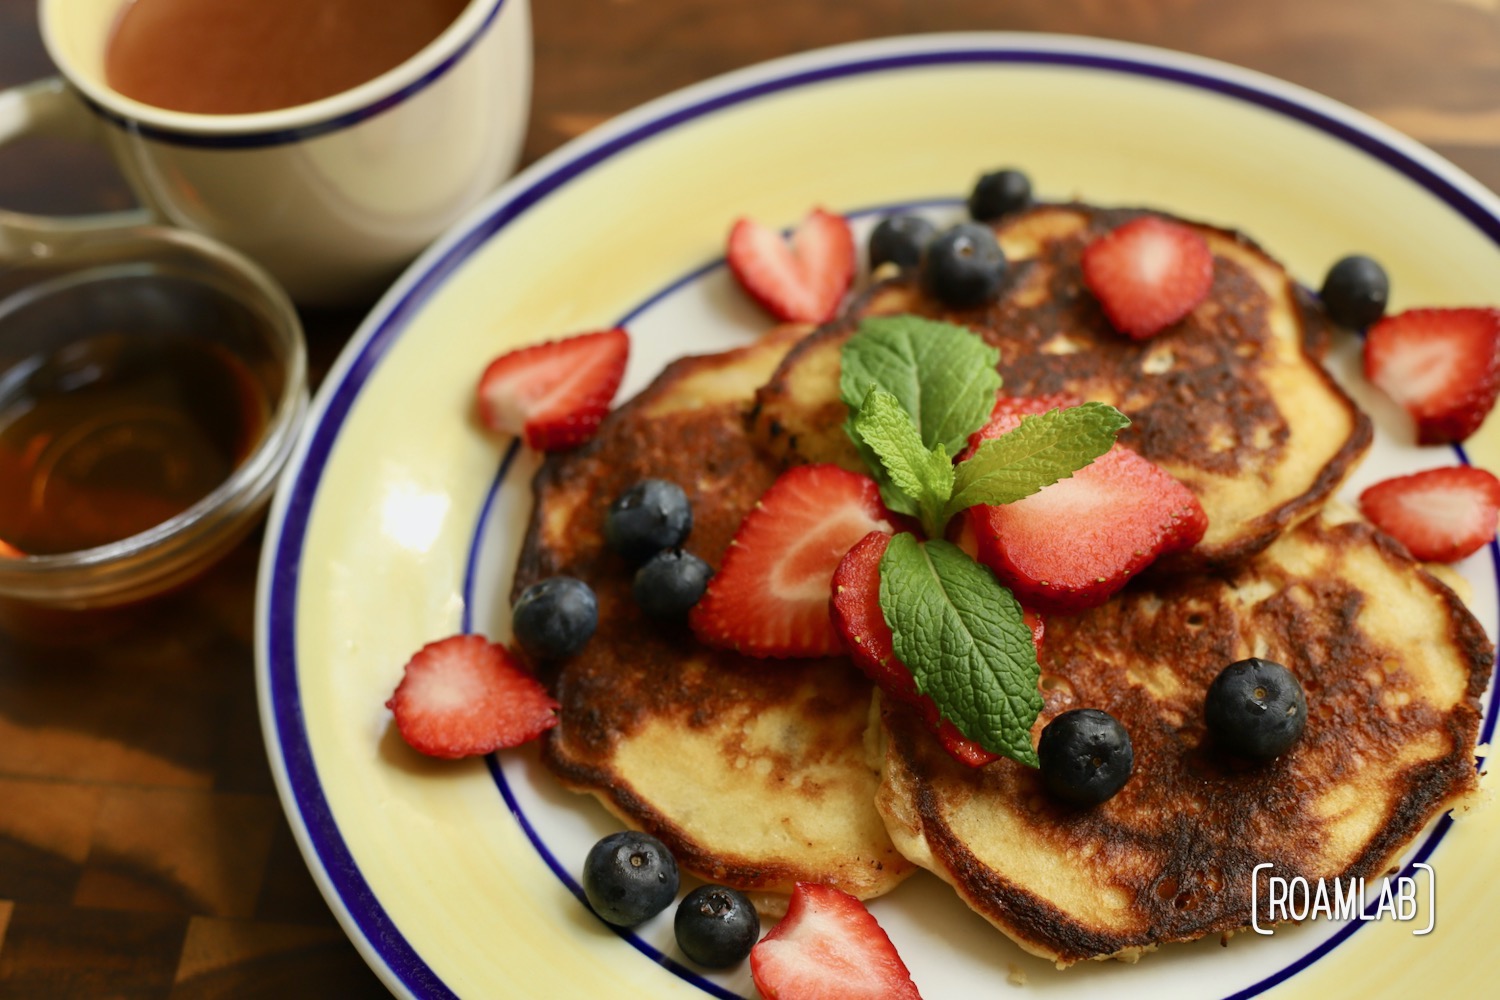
1424,850
322,843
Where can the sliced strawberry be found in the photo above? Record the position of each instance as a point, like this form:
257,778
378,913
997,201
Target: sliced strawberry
464,695
854,607
1442,365
1440,515
1015,406
1008,405
1073,544
770,598
960,747
801,281
1148,274
557,393
9,551
856,613
829,947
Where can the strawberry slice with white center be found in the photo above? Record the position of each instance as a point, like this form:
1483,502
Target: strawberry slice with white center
829,947
1442,365
860,621
1074,544
464,695
1015,406
1024,405
554,394
1148,274
1440,515
770,597
802,280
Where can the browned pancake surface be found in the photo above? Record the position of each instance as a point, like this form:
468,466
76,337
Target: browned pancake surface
751,771
1393,666
1231,400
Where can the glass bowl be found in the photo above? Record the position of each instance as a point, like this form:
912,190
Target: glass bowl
182,374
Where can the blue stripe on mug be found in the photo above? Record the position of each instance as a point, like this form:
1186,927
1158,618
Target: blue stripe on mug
281,137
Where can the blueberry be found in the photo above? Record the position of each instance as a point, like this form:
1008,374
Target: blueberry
553,618
629,878
1086,756
670,582
650,516
964,266
999,193
1355,292
716,926
1256,708
900,240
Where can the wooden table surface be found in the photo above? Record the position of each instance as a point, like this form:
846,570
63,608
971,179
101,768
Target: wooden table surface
143,851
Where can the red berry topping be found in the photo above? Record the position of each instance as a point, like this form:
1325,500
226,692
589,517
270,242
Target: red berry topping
855,608
801,281
555,394
770,598
1440,515
856,613
1015,406
829,947
464,695
1442,365
1025,405
1148,274
1075,543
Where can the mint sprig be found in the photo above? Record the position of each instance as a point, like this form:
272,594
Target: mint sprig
943,376
916,390
1045,447
923,475
965,641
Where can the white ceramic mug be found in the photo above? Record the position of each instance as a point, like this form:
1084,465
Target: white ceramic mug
332,196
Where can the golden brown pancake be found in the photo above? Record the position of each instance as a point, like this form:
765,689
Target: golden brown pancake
1393,666
751,771
1232,400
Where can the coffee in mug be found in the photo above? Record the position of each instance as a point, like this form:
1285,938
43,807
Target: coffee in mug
231,57
338,183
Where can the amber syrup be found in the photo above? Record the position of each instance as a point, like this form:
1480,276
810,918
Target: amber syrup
114,434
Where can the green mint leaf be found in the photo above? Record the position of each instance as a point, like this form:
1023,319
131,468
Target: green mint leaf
889,493
924,476
963,637
1046,447
893,498
943,375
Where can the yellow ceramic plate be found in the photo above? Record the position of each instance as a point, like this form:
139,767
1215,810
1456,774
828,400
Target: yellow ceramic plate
393,528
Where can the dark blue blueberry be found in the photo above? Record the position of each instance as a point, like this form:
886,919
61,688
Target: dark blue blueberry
999,193
553,618
670,582
900,240
652,515
1355,292
1256,708
1086,756
629,877
964,266
716,926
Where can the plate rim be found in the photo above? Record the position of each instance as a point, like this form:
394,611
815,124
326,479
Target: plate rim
395,961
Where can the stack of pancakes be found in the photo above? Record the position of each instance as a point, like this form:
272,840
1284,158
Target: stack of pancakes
762,773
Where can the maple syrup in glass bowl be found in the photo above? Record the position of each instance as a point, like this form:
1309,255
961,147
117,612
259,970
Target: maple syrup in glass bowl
151,386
